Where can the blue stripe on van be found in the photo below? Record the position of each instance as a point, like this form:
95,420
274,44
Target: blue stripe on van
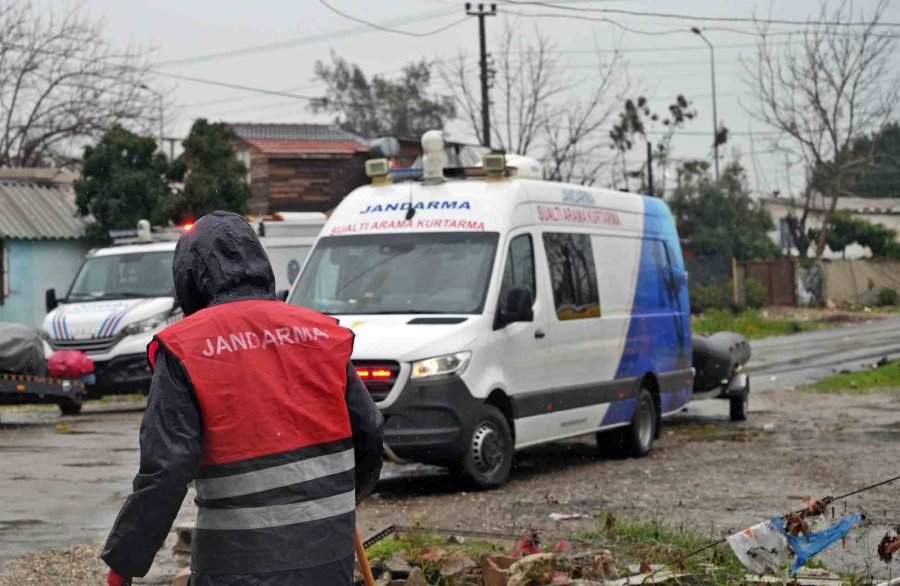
659,334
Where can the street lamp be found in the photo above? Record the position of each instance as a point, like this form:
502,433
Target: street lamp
161,113
712,62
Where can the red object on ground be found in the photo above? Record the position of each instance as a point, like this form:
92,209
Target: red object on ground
113,579
70,364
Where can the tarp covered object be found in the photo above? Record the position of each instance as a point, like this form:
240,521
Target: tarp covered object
21,350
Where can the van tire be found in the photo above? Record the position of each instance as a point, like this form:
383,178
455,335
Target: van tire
488,450
635,440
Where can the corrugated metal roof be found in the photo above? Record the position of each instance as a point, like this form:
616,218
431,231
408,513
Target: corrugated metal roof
33,211
301,132
311,147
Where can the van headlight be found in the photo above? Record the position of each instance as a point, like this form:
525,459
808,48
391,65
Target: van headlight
145,325
441,365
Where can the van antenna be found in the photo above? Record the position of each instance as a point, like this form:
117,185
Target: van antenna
411,211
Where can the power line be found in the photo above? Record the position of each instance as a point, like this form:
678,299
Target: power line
328,36
677,16
388,29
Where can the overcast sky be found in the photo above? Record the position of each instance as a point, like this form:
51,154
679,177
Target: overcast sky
181,32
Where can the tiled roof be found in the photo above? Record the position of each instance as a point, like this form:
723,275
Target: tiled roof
311,147
301,132
33,211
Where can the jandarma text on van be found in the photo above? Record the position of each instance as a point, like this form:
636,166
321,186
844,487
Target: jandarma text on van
419,205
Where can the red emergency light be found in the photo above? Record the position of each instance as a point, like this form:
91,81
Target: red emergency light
373,374
188,227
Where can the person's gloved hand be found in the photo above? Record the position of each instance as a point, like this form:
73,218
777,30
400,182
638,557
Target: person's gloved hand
113,579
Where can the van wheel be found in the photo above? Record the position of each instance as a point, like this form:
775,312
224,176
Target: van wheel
488,455
636,440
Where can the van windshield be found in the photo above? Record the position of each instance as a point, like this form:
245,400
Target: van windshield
398,273
122,276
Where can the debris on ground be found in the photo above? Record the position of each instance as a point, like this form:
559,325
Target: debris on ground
889,545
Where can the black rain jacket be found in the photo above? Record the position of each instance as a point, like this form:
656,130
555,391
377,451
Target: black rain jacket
223,261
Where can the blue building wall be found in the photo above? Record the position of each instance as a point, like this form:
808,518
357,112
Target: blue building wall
34,267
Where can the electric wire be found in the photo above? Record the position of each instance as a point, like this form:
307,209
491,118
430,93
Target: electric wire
379,27
677,16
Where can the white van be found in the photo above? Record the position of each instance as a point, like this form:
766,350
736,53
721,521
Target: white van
124,294
499,312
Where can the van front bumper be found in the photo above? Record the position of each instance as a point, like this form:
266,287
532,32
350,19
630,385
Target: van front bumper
429,420
128,373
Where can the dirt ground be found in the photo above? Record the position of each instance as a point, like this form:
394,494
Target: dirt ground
706,474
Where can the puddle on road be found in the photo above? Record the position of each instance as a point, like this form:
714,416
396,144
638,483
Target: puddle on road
89,464
22,418
19,524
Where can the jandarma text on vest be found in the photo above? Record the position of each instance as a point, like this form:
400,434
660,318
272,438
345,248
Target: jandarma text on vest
238,341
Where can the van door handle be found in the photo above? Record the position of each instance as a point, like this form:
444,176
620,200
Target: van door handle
539,334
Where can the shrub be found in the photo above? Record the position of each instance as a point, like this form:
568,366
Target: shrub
887,296
709,297
755,294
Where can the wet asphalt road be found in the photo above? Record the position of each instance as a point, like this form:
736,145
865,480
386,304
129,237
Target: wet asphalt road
61,486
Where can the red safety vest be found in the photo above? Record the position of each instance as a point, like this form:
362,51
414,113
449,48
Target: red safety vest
270,379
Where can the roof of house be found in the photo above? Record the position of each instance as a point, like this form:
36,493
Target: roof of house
34,211
296,139
40,174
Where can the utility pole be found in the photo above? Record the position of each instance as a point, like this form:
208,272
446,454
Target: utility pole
482,41
650,168
712,63
162,114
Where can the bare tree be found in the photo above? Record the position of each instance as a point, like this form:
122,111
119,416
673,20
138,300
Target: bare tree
62,84
826,91
574,137
529,110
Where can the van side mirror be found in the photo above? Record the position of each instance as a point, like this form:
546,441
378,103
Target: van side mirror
50,300
517,306
282,295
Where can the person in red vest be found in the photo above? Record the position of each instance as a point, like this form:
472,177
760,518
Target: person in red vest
256,402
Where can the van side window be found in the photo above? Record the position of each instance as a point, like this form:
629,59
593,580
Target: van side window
573,275
519,269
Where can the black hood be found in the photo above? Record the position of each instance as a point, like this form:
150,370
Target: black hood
221,260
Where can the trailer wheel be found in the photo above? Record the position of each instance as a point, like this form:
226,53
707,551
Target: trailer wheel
737,405
70,408
488,455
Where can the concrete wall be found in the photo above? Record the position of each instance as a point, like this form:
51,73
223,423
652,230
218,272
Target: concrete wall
34,267
859,281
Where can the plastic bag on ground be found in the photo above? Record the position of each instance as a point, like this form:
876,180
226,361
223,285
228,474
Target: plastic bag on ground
807,546
762,549
70,364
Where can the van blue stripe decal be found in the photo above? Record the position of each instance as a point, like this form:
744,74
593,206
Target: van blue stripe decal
659,333
103,325
112,330
66,328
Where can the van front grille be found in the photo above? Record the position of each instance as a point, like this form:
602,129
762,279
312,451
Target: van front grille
89,346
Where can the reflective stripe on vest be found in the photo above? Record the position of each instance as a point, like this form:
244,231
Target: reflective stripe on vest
278,515
275,477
